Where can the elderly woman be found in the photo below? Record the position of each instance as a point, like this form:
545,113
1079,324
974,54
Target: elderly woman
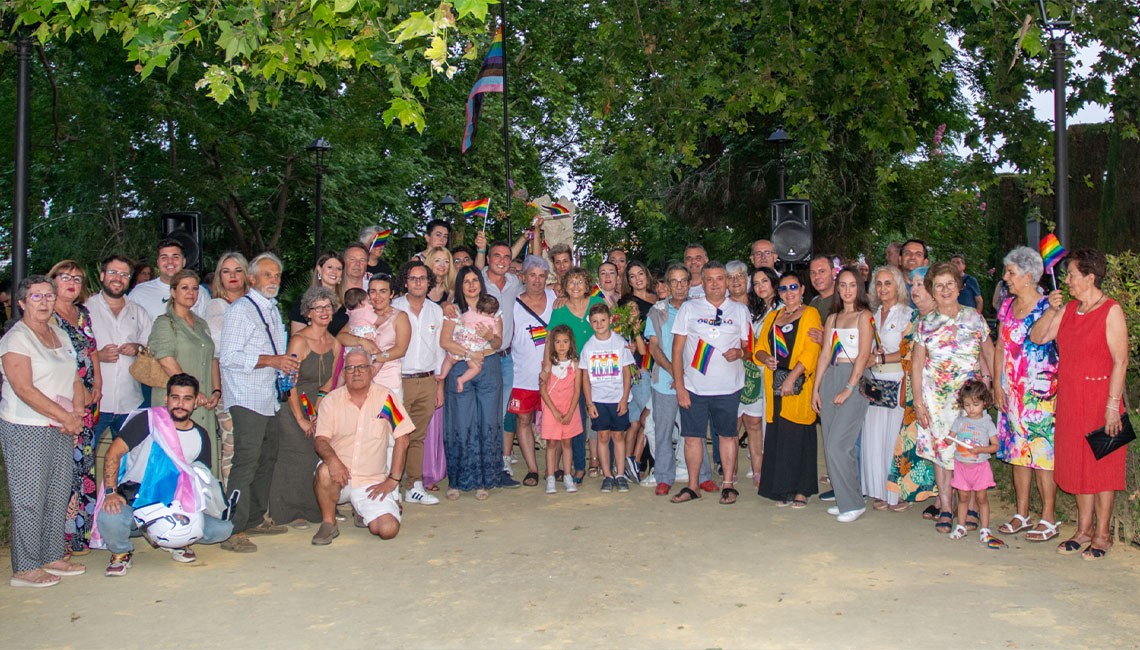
180,340
882,424
41,415
912,476
231,282
328,273
291,495
1025,394
473,422
442,266
952,346
785,351
73,318
1092,342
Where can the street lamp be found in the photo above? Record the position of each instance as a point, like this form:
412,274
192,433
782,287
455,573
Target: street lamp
318,152
1057,30
781,139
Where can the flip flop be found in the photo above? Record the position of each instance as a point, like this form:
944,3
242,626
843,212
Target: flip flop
1070,547
931,513
728,496
684,496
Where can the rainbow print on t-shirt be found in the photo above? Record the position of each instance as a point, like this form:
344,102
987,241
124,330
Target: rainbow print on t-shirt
605,364
702,356
391,412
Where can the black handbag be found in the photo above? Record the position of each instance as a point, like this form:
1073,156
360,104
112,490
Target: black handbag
779,375
1103,444
879,392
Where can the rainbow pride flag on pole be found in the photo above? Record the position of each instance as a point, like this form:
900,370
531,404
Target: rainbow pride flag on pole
836,347
476,209
308,406
557,210
490,80
380,240
702,356
391,412
1051,251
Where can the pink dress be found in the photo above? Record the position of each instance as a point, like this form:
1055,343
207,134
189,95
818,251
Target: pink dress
466,335
561,390
385,339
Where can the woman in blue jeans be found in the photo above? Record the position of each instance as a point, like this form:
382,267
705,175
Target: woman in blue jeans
472,419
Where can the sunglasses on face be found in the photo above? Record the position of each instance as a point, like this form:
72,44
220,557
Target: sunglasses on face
717,321
788,287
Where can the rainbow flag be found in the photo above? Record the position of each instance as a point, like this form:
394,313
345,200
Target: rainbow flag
1051,251
836,347
308,406
538,335
490,80
596,291
779,343
556,209
647,362
476,209
391,412
702,356
381,240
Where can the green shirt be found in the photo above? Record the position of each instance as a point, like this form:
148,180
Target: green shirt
580,326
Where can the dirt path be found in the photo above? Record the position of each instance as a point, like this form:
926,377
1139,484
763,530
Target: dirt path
529,570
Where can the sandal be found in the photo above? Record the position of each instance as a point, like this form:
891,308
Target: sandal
1045,535
901,507
972,518
959,532
432,488
799,503
728,496
481,494
1071,546
684,496
1094,553
595,468
452,494
36,578
880,505
931,513
944,526
531,479
783,503
1015,525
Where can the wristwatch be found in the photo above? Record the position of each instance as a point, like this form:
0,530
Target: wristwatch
108,491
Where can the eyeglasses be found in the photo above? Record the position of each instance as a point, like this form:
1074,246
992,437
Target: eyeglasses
763,253
40,297
461,260
321,308
118,274
67,277
788,287
357,368
417,278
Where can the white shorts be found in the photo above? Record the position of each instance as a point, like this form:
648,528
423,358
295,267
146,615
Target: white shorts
755,409
367,507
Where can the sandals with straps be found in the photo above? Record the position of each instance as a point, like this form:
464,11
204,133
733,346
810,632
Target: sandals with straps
1043,535
1011,528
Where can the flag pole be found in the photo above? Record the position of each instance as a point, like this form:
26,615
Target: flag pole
506,122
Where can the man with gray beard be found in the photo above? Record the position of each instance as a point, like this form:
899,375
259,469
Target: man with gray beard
251,359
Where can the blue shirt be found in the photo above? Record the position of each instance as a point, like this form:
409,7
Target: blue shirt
971,290
665,340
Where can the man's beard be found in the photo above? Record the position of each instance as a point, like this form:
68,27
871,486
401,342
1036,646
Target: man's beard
174,415
269,291
115,294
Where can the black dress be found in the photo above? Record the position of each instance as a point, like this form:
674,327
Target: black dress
291,494
790,449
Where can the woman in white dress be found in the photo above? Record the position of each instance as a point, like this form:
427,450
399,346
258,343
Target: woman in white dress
881,425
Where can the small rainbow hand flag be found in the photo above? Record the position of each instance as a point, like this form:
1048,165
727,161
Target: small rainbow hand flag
702,356
538,335
308,406
476,209
1051,251
557,209
391,412
836,347
780,344
647,361
380,240
596,291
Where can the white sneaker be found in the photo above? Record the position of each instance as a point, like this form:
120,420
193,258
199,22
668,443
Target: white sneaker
418,495
507,460
550,483
648,481
569,484
833,510
850,515
184,555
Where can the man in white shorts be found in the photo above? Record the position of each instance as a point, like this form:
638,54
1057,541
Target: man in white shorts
362,441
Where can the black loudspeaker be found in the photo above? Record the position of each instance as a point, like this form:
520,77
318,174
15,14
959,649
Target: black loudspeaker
791,229
186,228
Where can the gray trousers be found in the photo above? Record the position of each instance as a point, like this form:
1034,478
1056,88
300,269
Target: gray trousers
664,412
255,454
841,428
40,472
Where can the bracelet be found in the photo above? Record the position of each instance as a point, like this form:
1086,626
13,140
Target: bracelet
321,393
217,390
850,387
481,250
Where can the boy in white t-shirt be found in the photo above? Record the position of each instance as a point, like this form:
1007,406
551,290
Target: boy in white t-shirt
605,363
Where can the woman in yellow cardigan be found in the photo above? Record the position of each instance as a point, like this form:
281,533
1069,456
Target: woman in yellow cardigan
783,347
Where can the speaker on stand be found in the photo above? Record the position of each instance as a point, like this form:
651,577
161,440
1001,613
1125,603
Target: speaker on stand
186,229
791,231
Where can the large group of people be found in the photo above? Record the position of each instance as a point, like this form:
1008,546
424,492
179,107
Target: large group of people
622,375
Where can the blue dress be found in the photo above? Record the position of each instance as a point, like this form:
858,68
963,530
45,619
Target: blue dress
473,427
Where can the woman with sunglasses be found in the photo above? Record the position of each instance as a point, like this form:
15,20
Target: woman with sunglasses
784,349
41,415
73,318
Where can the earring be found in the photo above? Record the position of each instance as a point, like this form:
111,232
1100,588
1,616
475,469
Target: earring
318,277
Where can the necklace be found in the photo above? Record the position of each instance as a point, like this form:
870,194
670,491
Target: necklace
1095,305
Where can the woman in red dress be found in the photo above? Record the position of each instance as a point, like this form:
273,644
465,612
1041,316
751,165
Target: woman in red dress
1092,343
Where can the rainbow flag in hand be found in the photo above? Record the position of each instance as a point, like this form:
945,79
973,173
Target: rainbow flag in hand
538,335
596,291
1051,251
647,362
836,347
476,209
380,240
557,209
702,356
779,343
490,80
391,412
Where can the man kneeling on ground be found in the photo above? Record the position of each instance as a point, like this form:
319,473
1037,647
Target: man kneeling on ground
155,475
362,440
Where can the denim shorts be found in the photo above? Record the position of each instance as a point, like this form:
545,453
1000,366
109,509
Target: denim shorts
715,412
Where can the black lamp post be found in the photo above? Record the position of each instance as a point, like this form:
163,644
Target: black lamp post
450,208
781,139
318,152
1057,30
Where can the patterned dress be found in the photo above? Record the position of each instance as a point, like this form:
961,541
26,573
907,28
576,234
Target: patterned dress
1029,379
911,475
81,509
953,350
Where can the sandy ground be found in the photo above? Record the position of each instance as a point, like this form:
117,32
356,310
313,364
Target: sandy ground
529,570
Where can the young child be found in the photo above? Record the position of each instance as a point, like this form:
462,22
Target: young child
361,316
560,418
605,382
976,438
466,335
